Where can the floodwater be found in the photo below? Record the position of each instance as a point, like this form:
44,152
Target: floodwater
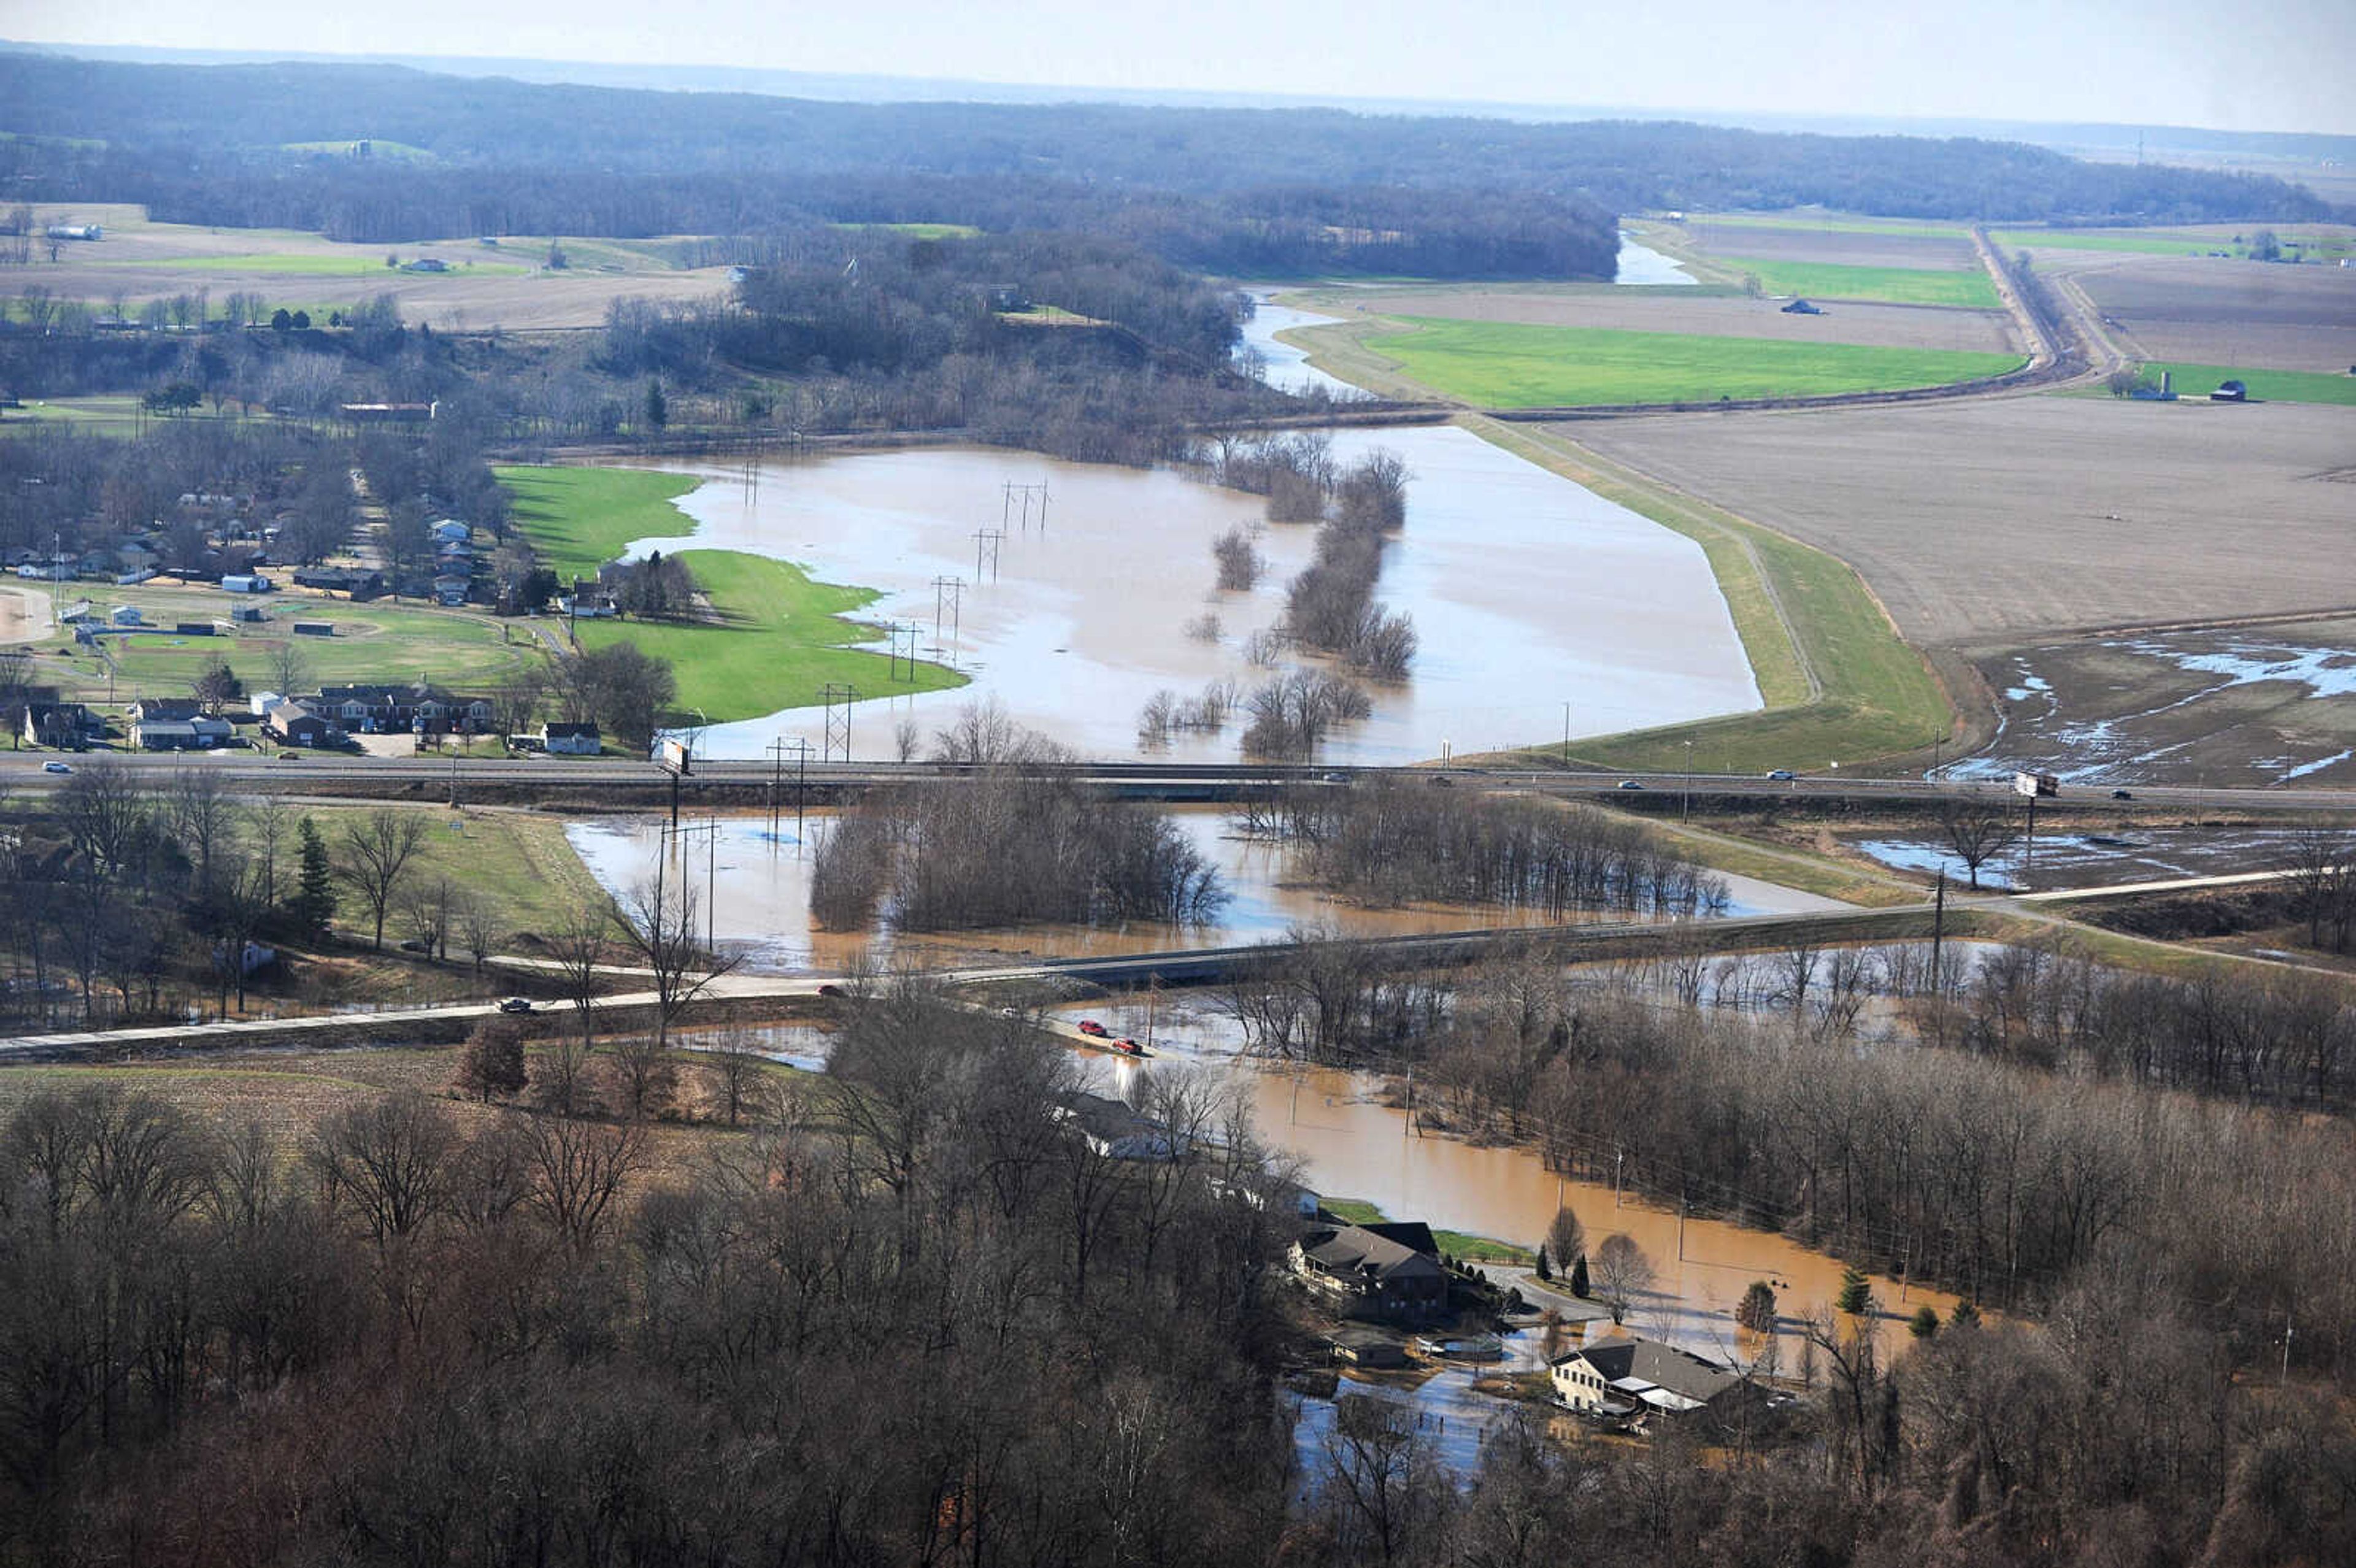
1642,266
2126,853
760,904
1529,592
1282,366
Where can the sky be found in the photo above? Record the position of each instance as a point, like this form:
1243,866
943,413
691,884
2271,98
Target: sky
2247,65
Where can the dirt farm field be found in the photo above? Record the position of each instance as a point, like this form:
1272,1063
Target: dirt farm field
1801,242
503,286
1992,522
1678,309
2243,706
2213,311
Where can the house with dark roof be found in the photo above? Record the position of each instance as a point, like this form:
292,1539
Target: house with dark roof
1372,1273
66,726
1632,1378
1111,1128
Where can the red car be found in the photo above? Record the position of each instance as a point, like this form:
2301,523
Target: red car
1131,1047
1094,1030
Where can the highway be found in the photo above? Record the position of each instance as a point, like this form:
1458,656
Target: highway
329,774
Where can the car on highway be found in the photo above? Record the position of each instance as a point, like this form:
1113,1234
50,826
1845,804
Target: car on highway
1629,784
1094,1030
515,1003
57,767
289,756
1779,775
2122,795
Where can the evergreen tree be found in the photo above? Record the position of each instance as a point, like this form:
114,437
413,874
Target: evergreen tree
1757,1311
1856,1296
1544,1272
657,406
1579,1276
1966,1316
1924,1323
315,893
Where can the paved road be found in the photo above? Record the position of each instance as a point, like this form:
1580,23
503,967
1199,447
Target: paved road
266,770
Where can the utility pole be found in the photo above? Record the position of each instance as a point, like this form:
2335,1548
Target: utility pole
1566,734
1617,1155
1938,933
838,695
777,750
953,589
988,538
899,629
1686,813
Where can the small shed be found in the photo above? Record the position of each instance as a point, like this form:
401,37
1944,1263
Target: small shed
2229,392
124,615
314,628
192,629
1802,308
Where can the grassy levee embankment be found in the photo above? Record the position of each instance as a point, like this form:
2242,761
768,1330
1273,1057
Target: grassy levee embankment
1838,683
773,637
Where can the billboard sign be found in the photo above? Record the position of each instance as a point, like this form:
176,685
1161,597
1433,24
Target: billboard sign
2035,784
672,756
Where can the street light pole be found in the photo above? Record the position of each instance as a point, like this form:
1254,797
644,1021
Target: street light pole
1685,812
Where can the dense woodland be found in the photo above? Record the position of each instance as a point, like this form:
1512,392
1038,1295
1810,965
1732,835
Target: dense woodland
1236,190
906,1316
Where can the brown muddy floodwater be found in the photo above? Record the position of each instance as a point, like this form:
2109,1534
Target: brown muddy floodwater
1529,592
760,902
1352,1144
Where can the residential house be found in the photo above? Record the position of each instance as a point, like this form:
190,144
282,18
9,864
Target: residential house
164,708
1112,1129
450,530
390,710
125,616
246,583
571,739
357,582
300,722
1628,1378
450,587
64,726
1373,1274
199,733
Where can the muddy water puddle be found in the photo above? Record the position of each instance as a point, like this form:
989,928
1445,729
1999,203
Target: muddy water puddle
1529,594
759,897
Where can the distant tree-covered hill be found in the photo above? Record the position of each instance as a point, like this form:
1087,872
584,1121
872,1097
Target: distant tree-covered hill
1232,189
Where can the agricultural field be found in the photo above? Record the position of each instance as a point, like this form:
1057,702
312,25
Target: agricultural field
2227,313
2263,386
502,284
1707,312
1902,247
1514,366
2243,707
1959,290
1992,522
773,637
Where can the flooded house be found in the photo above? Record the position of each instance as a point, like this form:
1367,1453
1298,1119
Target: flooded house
1632,1379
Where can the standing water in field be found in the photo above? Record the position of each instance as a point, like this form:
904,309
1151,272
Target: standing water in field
1282,366
1529,592
1642,267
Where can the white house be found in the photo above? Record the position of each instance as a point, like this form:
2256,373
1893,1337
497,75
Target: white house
571,739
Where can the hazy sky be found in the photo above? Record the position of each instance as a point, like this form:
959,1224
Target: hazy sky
2271,65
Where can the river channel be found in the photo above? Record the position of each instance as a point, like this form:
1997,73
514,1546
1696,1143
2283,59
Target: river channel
1537,602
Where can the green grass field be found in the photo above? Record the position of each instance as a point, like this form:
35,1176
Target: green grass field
375,642
1507,365
1839,684
1891,286
1803,223
783,636
580,518
2265,386
921,230
400,151
784,639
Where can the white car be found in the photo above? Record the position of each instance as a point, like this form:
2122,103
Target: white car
57,767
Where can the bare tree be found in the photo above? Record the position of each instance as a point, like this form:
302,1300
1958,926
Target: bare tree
1978,831
290,668
269,822
478,927
578,1169
1623,1273
389,1159
201,814
658,923
377,852
739,1067
580,948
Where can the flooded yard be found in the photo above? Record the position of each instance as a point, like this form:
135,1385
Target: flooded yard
1529,594
2088,857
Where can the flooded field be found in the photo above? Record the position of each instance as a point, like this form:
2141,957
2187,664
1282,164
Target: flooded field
1528,591
2236,707
2080,858
761,896
1640,266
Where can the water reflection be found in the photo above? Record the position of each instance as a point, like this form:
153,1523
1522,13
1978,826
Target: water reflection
1645,267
